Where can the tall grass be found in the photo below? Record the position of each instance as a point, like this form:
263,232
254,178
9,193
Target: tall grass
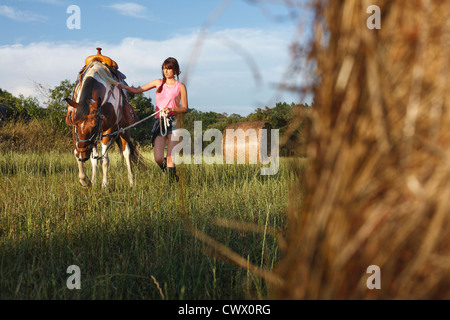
34,135
132,243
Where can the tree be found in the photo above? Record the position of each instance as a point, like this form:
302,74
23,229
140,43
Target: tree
56,104
56,98
281,115
22,108
7,99
143,107
29,107
259,115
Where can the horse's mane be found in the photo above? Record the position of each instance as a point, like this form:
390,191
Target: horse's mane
88,83
85,96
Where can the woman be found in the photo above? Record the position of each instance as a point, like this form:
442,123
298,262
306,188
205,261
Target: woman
170,92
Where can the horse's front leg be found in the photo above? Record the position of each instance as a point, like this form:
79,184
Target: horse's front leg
105,165
84,180
94,162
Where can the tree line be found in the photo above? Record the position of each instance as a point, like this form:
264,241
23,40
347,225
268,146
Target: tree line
52,115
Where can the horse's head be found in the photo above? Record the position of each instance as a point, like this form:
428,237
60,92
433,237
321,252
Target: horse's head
84,112
86,127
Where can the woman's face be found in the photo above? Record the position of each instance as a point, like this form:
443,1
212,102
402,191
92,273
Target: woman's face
168,73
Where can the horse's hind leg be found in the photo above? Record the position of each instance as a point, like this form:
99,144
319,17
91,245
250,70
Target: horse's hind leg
126,151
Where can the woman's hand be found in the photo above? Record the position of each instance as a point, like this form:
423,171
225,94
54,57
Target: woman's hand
121,86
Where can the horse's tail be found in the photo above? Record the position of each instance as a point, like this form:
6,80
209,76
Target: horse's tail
136,157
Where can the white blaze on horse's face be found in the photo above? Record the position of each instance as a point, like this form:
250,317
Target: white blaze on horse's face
87,132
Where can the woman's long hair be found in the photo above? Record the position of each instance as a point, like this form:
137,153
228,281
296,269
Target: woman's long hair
169,63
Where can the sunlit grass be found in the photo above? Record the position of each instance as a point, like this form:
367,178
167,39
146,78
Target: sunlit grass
121,237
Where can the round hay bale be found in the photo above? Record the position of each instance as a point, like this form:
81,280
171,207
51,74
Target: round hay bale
377,188
246,142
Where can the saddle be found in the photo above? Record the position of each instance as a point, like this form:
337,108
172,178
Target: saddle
99,57
129,116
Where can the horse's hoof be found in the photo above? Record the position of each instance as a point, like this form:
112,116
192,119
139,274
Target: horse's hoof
85,184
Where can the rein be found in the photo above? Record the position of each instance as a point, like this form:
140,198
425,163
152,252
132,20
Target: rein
98,135
122,130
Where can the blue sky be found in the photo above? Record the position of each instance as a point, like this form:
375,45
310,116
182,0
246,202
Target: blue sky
234,68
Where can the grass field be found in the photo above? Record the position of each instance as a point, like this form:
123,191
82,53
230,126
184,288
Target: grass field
133,243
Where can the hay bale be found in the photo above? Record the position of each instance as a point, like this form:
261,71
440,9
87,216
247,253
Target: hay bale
378,185
243,142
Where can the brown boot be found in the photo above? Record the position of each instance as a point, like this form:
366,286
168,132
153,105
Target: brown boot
163,166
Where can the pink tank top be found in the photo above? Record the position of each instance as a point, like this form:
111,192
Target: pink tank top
169,97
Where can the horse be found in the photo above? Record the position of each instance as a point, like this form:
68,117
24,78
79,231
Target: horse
95,114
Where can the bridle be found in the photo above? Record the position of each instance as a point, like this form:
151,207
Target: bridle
96,136
98,133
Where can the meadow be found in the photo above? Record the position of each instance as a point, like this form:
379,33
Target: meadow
134,243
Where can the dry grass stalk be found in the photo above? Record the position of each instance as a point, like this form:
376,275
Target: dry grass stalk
378,186
158,287
219,250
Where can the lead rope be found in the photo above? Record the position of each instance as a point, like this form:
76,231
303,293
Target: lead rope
121,130
166,122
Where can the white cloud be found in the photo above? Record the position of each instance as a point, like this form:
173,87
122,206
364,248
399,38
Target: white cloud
222,80
131,9
21,16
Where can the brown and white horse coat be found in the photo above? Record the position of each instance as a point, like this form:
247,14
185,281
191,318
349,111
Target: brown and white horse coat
95,113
